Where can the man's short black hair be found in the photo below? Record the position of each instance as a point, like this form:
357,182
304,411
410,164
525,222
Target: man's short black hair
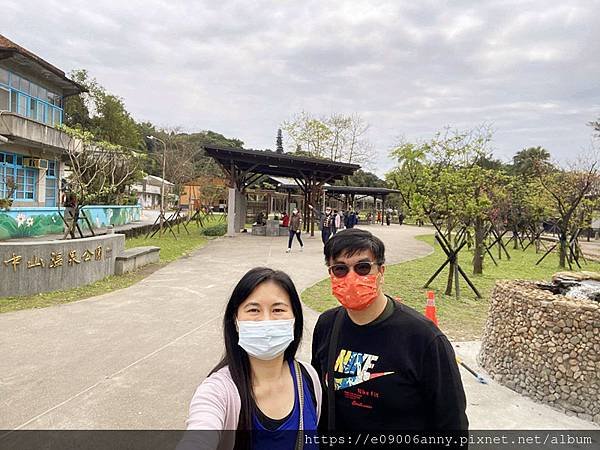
351,241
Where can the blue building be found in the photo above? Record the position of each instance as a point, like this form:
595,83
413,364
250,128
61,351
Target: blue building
32,95
33,152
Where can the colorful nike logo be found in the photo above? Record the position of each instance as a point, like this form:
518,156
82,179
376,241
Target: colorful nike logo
357,366
346,382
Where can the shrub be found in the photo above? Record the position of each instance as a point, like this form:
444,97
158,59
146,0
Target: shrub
216,230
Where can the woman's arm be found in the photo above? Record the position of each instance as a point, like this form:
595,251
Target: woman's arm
214,408
208,407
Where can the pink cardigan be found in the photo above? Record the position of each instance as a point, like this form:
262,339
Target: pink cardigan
216,406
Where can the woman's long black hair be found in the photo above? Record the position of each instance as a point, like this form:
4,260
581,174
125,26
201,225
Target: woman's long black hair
235,357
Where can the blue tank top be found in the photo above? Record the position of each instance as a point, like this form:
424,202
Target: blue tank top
285,436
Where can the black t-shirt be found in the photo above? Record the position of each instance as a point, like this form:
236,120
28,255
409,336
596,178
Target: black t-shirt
397,373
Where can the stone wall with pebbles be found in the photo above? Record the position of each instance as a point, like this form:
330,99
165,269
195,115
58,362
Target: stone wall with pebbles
544,346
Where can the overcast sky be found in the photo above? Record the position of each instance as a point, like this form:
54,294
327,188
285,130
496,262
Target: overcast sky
530,68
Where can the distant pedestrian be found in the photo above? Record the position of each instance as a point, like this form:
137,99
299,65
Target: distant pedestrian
388,218
400,218
352,220
336,224
295,229
260,219
285,220
71,213
340,223
326,222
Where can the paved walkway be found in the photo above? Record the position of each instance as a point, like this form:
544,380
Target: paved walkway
131,359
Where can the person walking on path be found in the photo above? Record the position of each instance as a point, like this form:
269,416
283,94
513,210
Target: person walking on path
295,229
326,222
352,219
339,221
71,214
382,365
258,389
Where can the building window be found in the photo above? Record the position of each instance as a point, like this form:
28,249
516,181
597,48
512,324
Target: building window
4,99
49,119
13,101
51,184
33,105
11,168
14,81
29,99
22,104
40,111
4,76
5,175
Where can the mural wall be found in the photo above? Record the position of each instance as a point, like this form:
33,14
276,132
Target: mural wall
21,222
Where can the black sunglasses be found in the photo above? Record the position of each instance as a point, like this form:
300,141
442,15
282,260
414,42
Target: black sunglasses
361,268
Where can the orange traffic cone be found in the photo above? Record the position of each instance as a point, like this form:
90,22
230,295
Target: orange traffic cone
430,311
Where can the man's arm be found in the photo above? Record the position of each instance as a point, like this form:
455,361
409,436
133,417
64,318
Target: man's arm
318,213
442,387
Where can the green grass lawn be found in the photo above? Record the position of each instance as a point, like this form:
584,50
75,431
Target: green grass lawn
170,250
461,319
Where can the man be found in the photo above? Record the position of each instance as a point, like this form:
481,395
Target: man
352,219
71,213
393,369
326,222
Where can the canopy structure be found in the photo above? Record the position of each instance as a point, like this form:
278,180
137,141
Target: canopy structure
351,193
244,166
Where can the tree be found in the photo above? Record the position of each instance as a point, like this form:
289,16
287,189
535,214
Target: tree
338,137
101,113
99,171
363,178
9,187
279,141
571,191
530,161
408,176
443,180
596,126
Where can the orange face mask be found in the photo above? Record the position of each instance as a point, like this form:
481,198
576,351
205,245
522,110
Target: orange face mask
355,291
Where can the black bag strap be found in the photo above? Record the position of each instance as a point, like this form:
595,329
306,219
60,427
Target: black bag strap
333,342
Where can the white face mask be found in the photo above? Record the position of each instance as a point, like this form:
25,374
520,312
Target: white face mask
265,339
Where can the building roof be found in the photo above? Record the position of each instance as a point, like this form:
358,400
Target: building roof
270,163
156,179
11,50
360,190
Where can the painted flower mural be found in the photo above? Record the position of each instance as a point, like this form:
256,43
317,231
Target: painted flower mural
25,222
21,219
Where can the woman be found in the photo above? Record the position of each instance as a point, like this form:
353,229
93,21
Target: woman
258,387
295,229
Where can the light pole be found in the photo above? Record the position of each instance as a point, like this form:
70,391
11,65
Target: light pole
162,184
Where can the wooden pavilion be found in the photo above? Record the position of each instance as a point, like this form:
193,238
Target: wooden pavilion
244,166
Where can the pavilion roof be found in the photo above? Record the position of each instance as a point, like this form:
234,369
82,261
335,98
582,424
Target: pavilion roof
270,163
360,190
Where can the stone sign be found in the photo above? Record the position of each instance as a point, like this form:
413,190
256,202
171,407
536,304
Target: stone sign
42,266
